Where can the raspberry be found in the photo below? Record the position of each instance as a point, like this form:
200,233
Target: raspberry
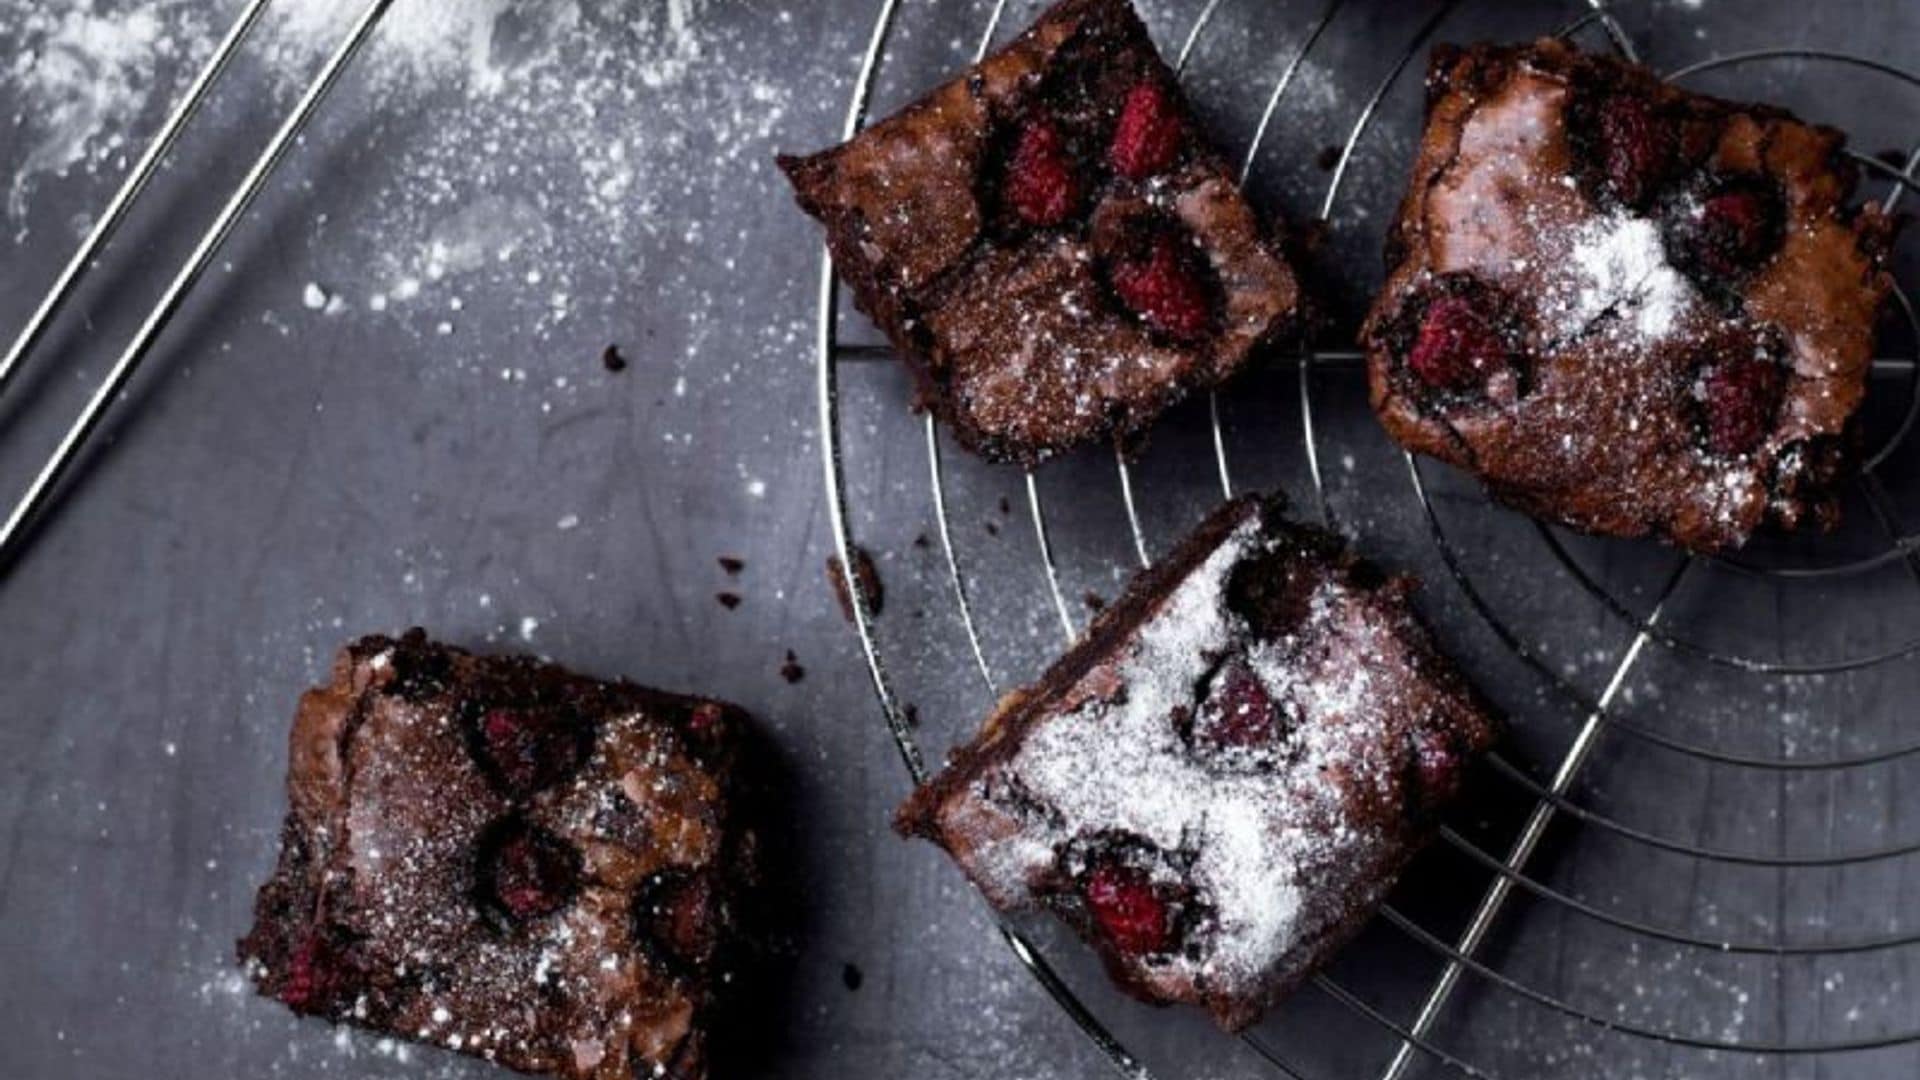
1437,764
1635,150
312,979
706,718
1737,229
1165,290
1241,714
1455,347
1127,911
1147,138
1740,398
529,749
1040,181
672,913
529,872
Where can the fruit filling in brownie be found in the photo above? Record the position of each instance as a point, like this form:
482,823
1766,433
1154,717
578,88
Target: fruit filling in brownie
1048,241
493,855
1219,783
1626,307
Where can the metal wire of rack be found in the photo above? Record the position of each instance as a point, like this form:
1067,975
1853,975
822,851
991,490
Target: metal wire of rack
47,483
1652,627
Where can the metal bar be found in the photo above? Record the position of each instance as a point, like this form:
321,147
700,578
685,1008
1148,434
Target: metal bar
1834,55
1365,120
1219,444
1280,86
986,35
1529,838
42,488
1414,1039
1372,107
1600,822
129,192
1200,22
1311,438
1899,187
1620,1026
1842,947
1117,1055
828,398
939,486
1046,558
1603,11
1133,514
1881,504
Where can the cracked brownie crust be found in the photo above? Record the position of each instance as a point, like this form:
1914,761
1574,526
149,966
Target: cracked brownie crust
1048,241
1220,782
496,856
1626,307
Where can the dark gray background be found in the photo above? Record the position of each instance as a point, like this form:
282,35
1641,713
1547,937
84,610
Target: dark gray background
279,481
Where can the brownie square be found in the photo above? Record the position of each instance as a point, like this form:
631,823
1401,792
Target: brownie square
1629,308
1049,242
496,856
1219,783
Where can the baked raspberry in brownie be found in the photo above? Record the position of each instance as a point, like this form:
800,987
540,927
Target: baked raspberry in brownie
496,856
1219,783
1627,307
1049,242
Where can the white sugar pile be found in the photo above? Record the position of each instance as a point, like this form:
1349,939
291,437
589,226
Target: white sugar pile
82,74
1617,266
431,40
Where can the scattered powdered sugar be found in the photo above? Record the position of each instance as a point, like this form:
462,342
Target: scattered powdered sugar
1259,838
1616,265
637,802
489,44
432,40
532,146
1147,785
85,70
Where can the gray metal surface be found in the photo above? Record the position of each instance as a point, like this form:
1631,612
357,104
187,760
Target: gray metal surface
278,480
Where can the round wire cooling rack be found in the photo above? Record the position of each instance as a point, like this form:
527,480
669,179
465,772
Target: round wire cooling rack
1479,963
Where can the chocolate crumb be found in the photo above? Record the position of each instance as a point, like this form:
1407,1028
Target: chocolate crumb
852,976
728,600
921,541
1005,506
1094,601
1328,157
791,670
865,575
911,714
732,565
993,529
612,360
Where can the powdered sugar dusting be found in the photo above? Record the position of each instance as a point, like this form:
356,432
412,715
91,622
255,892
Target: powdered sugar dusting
429,962
88,71
526,145
1147,785
1616,265
1266,838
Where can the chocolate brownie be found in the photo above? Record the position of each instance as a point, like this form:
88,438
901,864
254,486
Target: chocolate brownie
1626,307
496,856
1219,783
1049,242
